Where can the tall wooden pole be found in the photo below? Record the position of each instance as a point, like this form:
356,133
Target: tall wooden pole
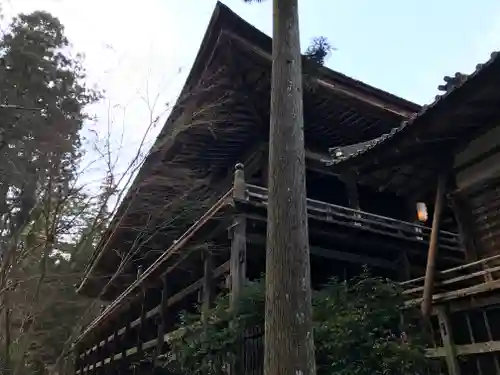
289,344
237,266
433,247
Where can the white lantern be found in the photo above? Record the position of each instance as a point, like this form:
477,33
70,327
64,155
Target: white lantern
422,214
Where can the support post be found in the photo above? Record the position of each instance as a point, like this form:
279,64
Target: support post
490,337
111,345
404,266
238,241
124,342
141,328
207,289
447,336
97,356
162,327
473,341
83,363
433,247
465,226
77,362
352,191
237,263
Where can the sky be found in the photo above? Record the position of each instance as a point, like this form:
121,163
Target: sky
139,52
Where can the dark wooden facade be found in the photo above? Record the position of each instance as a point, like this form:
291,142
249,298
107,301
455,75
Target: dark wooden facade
455,139
191,225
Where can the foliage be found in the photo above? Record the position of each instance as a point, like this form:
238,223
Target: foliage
357,328
318,50
47,221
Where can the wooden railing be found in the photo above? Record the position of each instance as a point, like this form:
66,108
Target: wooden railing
92,357
364,220
458,282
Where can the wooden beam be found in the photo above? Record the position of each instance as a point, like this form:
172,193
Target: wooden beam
337,255
433,247
457,279
238,240
461,293
336,87
472,303
467,349
448,343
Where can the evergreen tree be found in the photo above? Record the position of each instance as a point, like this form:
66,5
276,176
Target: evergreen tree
42,102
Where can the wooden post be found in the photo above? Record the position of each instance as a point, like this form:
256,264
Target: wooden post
447,336
208,289
111,344
162,327
83,363
352,191
124,342
140,336
238,240
473,341
490,337
97,355
265,168
77,362
404,266
433,248
237,263
465,226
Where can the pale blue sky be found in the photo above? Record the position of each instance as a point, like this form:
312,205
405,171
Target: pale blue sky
404,47
141,51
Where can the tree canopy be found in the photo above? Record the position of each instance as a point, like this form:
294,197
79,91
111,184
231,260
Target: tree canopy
47,219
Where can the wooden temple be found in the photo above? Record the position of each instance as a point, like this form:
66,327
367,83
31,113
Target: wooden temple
193,222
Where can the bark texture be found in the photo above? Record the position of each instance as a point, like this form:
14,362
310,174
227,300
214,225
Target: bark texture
289,344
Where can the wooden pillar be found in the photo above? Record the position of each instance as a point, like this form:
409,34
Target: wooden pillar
124,343
404,266
83,365
465,226
208,288
265,167
116,349
162,326
97,356
447,336
142,321
111,345
352,191
433,247
78,361
490,337
238,240
473,341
